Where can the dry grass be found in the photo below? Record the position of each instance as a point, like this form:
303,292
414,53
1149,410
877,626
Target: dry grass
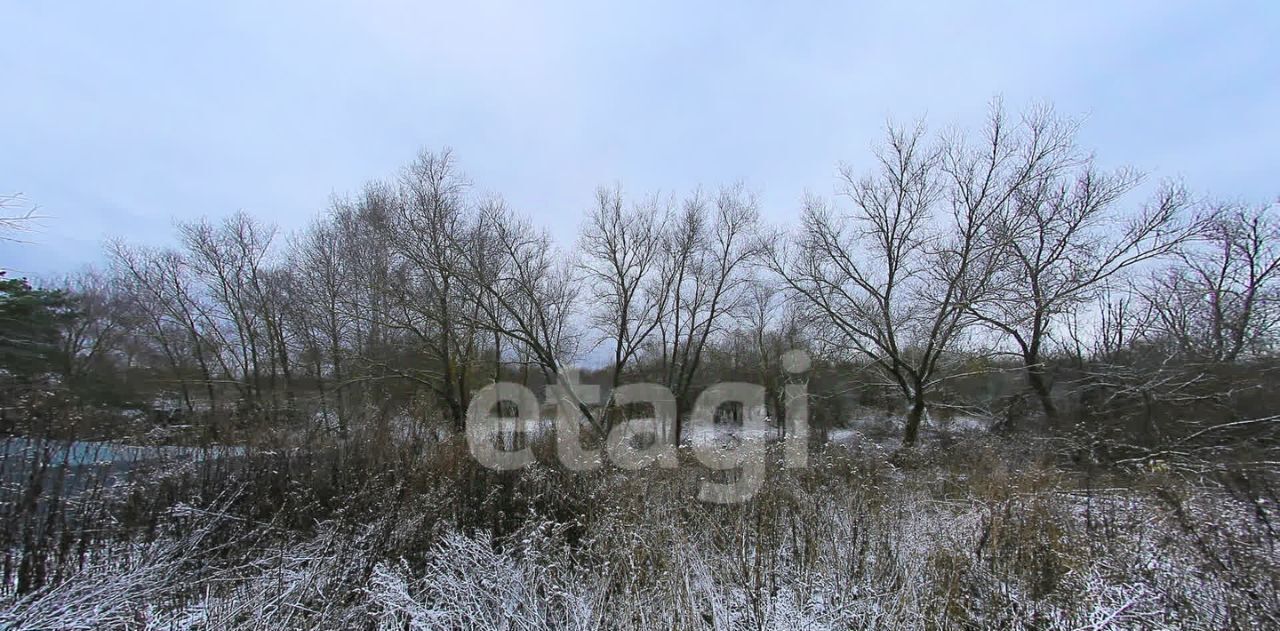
416,536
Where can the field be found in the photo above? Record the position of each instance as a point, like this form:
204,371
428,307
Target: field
409,533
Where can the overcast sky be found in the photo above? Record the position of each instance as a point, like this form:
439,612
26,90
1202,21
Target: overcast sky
119,117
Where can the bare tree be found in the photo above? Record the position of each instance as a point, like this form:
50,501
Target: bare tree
243,313
320,286
159,284
1061,234
1120,319
771,326
368,296
621,249
16,216
1221,301
525,291
426,294
101,324
704,272
892,279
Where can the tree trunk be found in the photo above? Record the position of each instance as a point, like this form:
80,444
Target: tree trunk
913,420
678,420
1038,380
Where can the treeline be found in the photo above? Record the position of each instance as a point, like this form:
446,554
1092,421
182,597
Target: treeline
999,273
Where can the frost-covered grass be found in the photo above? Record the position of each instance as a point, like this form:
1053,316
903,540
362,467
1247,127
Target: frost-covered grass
980,535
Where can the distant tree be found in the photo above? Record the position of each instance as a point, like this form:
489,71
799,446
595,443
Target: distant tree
159,286
620,252
705,271
93,340
430,306
238,309
30,323
1061,233
317,315
1221,301
526,291
891,279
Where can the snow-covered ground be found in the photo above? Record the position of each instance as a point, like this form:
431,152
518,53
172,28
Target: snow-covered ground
841,546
